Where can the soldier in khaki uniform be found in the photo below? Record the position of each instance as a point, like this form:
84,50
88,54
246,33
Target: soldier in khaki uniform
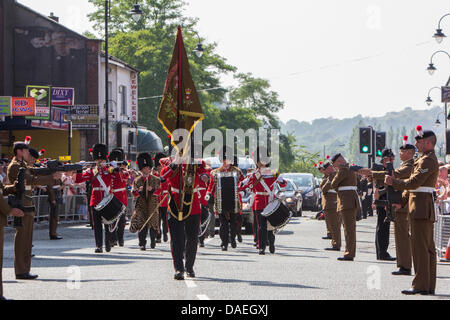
5,210
329,205
24,235
401,224
344,182
421,186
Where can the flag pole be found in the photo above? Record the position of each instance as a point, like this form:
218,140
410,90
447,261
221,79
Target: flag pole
180,101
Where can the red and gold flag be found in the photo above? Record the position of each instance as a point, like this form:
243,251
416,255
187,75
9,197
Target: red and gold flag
180,107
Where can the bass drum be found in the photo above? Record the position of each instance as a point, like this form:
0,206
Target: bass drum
110,209
277,215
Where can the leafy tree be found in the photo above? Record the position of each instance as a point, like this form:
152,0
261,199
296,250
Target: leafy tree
148,46
255,94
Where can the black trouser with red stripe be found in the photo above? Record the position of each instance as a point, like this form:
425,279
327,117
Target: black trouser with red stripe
163,221
263,234
184,239
98,230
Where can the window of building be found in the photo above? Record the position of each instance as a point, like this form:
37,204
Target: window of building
123,92
110,102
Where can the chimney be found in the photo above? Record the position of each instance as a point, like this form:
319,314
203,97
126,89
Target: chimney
53,17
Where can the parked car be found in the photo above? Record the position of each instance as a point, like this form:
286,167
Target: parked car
292,197
309,187
245,164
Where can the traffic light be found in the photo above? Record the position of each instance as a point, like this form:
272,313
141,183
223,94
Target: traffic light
365,140
380,143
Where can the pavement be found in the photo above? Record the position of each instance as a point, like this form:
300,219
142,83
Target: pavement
300,269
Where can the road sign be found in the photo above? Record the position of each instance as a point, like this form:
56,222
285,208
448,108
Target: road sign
42,96
63,97
5,106
23,107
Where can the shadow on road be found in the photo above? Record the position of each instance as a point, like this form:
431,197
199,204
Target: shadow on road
70,259
257,283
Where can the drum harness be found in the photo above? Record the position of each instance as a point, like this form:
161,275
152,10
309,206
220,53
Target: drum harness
116,220
272,196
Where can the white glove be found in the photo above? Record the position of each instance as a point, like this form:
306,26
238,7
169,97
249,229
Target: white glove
258,174
114,164
207,197
280,179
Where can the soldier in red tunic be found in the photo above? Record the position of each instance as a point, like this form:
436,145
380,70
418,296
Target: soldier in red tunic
184,220
204,205
95,175
163,198
262,183
120,178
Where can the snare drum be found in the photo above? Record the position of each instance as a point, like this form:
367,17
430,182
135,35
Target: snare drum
277,215
110,209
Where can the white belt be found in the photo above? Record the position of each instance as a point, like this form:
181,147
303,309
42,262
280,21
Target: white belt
28,188
119,190
165,191
56,187
424,190
349,188
352,188
200,189
331,191
98,189
262,193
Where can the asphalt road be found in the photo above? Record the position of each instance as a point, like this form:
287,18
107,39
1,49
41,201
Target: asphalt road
299,270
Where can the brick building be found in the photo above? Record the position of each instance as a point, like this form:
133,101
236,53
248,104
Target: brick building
37,50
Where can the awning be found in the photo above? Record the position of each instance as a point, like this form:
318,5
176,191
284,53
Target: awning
148,141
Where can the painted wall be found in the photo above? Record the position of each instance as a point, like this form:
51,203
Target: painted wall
54,142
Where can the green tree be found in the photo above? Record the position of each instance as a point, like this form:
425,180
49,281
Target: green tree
255,95
148,46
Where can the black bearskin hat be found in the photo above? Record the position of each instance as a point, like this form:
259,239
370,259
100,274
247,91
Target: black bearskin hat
144,160
262,155
34,153
226,154
100,151
117,155
158,157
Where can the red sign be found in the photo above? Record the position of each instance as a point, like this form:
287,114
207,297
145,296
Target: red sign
23,107
134,97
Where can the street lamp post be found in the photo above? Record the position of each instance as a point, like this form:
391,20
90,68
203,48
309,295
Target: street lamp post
199,49
429,101
439,35
136,14
431,68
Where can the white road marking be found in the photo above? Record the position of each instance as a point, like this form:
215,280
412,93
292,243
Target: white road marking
190,283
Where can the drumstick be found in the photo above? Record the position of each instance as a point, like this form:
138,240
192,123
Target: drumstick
153,213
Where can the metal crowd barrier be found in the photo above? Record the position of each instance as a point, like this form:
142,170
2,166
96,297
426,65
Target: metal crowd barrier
442,228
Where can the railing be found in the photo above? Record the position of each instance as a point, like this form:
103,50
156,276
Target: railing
71,209
442,228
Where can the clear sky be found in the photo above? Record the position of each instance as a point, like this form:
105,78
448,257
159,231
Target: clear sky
325,58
